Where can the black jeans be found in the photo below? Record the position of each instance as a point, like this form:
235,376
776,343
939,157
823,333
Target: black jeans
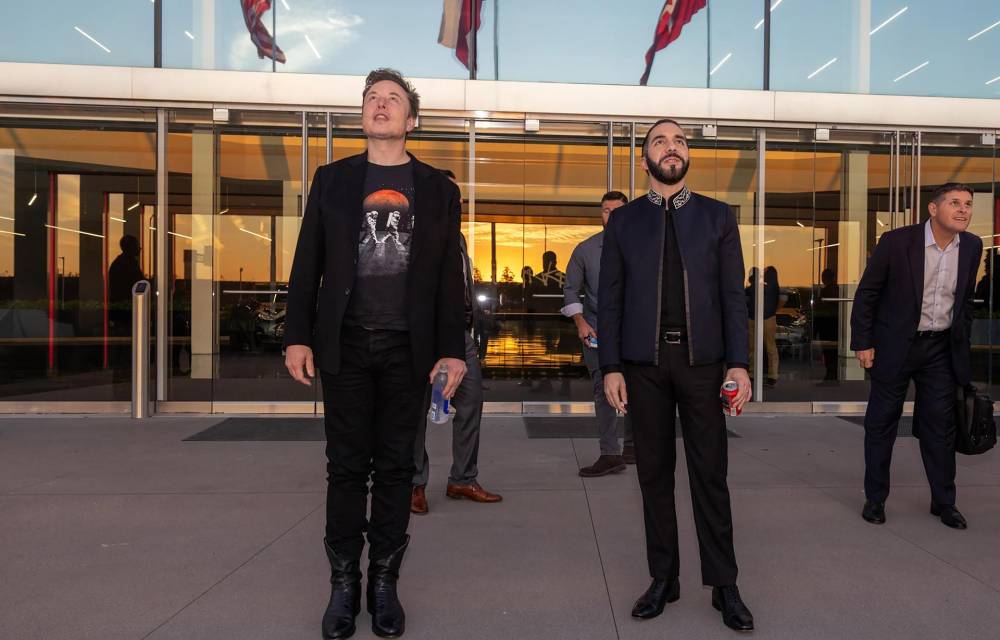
655,394
371,408
928,364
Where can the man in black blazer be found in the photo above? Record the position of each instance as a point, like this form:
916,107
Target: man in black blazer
911,321
375,301
672,321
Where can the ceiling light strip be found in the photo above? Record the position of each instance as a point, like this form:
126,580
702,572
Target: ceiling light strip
992,26
894,16
718,66
82,233
91,38
817,71
913,70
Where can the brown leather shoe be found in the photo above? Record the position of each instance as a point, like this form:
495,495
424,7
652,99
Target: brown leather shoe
605,464
418,501
471,491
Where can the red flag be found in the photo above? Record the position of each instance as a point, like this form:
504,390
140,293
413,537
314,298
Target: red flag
259,35
673,17
459,19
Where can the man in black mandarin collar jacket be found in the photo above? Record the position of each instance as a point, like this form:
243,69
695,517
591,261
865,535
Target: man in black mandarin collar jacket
671,315
376,297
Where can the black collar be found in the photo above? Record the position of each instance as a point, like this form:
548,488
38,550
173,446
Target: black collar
680,198
420,169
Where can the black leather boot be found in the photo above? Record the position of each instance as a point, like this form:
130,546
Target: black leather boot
660,592
345,596
388,618
735,613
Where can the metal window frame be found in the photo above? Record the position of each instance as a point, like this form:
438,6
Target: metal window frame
162,114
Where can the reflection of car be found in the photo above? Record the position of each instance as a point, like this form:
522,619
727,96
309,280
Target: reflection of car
792,321
269,319
270,325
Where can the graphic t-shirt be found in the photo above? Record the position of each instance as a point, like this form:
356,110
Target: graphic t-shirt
378,300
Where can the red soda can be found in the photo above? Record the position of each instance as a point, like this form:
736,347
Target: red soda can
727,394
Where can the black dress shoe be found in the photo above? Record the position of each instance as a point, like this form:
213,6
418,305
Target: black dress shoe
735,613
874,512
628,454
660,592
345,596
388,618
950,516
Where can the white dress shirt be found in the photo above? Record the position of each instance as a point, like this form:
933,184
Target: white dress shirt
940,280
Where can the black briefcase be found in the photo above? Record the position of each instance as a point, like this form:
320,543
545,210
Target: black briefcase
975,429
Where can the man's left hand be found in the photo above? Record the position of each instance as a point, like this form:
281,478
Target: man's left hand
740,377
456,371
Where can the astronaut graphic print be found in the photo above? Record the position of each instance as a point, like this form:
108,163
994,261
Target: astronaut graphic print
378,297
385,239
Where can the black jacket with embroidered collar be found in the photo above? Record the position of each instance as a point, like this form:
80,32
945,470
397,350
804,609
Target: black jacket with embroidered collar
632,268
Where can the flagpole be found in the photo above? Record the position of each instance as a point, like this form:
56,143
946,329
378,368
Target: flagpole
767,45
496,39
473,40
708,67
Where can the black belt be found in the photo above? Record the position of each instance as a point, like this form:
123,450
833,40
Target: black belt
673,337
932,334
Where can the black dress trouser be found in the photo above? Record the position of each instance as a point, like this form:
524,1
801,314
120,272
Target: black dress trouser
928,364
371,408
655,394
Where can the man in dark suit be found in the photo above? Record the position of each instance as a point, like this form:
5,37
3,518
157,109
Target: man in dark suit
468,413
375,302
911,321
672,321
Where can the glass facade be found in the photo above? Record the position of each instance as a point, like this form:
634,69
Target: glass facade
79,226
921,47
76,204
886,47
110,32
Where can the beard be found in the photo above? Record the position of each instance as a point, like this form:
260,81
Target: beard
671,175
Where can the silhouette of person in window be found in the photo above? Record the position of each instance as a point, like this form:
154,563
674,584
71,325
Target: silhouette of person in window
826,323
123,273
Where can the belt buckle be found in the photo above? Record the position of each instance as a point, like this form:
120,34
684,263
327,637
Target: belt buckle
672,337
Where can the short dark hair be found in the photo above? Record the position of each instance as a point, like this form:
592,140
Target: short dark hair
129,244
940,192
449,173
378,75
614,195
645,140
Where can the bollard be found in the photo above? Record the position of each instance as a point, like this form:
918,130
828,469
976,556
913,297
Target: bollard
140,349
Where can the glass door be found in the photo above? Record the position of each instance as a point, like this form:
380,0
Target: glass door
970,159
77,188
537,196
828,201
235,205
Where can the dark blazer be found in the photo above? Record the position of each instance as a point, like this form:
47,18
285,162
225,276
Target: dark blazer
326,258
628,314
887,303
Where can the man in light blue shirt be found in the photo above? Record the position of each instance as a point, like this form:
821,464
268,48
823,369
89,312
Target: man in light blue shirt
582,277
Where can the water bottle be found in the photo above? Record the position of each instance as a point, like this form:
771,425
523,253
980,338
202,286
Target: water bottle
438,413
